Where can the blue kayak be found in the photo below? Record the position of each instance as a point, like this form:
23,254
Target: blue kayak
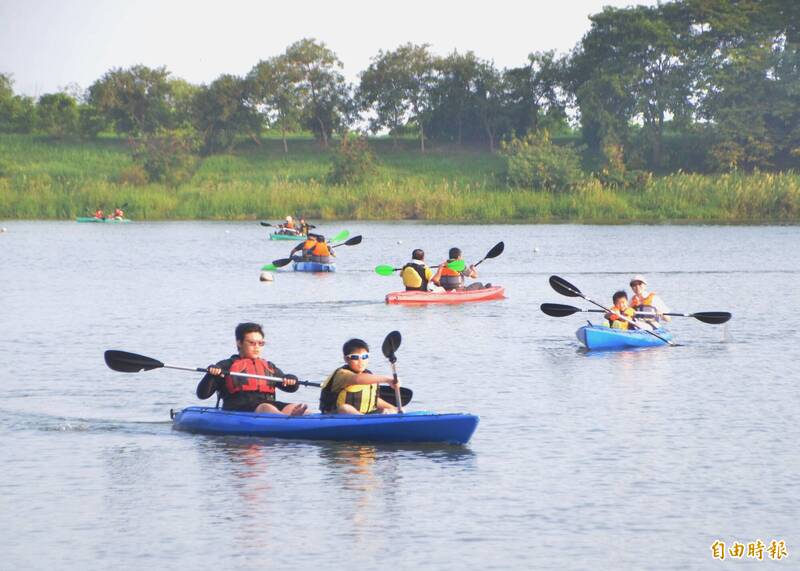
409,427
600,337
313,267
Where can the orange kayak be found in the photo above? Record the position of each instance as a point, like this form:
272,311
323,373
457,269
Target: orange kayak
455,296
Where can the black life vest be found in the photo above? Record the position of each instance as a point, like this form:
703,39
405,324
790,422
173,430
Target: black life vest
328,398
418,267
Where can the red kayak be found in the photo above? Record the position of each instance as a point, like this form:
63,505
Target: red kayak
455,296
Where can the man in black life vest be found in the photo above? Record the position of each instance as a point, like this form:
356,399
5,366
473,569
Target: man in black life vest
249,394
416,274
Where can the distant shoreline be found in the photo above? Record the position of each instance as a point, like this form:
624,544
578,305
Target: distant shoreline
47,180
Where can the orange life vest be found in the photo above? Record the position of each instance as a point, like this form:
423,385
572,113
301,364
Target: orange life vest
640,304
235,385
321,249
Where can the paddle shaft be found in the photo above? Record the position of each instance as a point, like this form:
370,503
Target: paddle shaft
397,390
276,380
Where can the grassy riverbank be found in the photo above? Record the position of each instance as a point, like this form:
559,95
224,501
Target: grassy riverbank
61,180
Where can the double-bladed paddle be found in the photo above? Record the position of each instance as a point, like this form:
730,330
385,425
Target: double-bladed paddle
563,287
390,344
275,264
712,317
125,362
456,266
268,225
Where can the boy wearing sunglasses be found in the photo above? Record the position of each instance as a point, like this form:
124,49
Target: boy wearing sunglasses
353,389
248,394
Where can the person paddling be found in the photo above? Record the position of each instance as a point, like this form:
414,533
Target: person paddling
249,394
649,307
450,279
118,214
416,274
353,389
99,213
305,248
620,308
321,252
288,227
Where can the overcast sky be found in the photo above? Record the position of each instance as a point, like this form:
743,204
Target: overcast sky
48,44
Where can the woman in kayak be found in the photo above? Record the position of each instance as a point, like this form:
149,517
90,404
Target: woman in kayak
649,307
118,214
249,394
353,389
416,274
450,279
620,308
99,213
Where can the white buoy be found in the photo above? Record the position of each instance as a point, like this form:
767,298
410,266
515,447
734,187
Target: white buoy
399,241
535,250
266,277
3,230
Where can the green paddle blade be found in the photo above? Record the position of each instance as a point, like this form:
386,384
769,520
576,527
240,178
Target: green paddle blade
384,270
457,265
268,268
340,236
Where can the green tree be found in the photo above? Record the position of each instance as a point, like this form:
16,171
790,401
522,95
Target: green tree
489,102
382,90
222,113
58,115
455,87
135,100
325,100
17,112
408,74
275,93
634,64
534,92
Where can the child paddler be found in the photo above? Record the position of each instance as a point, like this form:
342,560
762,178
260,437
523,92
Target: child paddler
620,308
353,389
416,274
249,394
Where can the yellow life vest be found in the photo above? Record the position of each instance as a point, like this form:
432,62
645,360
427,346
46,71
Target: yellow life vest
613,320
364,398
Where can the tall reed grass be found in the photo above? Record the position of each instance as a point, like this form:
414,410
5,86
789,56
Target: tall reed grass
57,180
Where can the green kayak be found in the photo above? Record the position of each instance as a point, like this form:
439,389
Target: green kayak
277,236
102,220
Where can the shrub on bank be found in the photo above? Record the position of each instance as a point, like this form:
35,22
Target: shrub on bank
535,163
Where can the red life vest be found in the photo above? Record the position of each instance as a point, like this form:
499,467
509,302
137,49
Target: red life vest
321,249
235,385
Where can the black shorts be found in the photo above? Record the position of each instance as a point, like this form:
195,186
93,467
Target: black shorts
252,406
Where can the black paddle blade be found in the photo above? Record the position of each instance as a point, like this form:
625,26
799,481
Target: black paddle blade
353,241
497,250
713,317
387,393
563,287
558,310
265,224
391,344
282,262
125,362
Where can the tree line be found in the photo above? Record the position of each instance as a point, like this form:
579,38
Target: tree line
697,85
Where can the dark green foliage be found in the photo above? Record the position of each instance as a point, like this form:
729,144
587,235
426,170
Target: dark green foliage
166,156
58,115
352,162
221,114
535,163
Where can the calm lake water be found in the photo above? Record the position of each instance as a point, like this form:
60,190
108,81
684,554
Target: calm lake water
616,460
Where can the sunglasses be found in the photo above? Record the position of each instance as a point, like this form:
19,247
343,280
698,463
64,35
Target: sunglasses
356,357
254,343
